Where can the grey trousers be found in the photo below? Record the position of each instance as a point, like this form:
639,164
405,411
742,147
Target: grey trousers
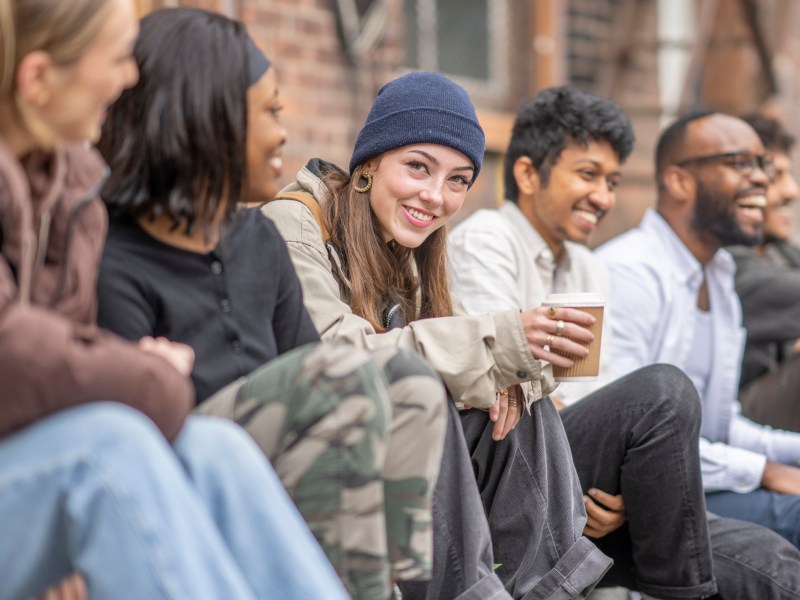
525,514
534,505
463,563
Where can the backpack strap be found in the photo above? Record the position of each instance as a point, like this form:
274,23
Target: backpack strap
312,205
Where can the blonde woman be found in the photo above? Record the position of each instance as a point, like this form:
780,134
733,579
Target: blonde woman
101,472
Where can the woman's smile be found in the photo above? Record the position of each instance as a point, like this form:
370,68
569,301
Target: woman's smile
418,217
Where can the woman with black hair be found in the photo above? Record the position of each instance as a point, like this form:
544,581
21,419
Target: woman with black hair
355,437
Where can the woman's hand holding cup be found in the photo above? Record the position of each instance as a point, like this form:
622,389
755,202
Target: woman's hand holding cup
563,328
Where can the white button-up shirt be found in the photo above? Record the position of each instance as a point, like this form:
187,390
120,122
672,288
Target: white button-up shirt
497,261
655,282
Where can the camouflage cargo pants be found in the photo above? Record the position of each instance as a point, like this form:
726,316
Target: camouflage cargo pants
356,438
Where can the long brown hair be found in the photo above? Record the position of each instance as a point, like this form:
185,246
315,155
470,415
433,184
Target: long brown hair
380,272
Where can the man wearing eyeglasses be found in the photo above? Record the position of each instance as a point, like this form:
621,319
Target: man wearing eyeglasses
673,301
768,283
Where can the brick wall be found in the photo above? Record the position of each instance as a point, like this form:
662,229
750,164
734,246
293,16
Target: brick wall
322,93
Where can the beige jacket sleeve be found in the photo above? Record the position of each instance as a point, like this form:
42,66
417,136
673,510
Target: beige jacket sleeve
474,355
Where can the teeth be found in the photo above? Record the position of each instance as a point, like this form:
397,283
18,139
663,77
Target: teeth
752,202
587,216
276,162
418,215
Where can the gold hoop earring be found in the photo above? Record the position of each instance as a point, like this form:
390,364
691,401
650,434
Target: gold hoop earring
365,188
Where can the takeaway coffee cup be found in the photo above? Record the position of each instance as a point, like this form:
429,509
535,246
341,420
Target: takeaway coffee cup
583,369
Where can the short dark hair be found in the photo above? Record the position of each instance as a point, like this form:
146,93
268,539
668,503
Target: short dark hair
670,142
772,132
176,141
559,116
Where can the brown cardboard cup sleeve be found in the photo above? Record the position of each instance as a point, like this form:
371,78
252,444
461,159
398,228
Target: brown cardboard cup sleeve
583,369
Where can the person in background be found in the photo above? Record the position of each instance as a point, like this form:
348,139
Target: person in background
562,170
373,272
356,437
673,300
768,284
104,478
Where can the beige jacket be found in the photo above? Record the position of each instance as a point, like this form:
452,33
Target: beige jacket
474,355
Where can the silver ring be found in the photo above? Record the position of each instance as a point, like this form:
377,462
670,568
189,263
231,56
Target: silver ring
559,327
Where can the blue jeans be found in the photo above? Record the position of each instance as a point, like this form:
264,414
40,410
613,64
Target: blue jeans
96,489
778,512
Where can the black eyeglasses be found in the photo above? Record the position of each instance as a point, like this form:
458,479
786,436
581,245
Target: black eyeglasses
742,162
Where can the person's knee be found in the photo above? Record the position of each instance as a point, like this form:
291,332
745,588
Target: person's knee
672,391
104,423
208,441
111,437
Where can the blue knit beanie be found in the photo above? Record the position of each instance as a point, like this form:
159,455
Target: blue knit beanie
421,108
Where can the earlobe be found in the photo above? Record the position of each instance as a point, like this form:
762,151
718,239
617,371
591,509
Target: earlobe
33,78
526,176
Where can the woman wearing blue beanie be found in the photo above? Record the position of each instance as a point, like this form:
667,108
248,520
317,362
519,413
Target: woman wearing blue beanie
369,249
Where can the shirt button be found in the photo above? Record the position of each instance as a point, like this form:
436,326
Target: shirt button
225,305
522,374
236,347
216,267
547,255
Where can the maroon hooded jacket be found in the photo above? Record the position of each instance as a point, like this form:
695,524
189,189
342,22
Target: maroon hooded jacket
52,355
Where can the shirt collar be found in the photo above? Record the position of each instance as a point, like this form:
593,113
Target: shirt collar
535,243
547,265
687,267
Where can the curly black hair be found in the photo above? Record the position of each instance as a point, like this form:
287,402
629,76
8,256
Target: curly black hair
558,117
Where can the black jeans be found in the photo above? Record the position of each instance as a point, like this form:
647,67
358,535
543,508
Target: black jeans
750,561
638,436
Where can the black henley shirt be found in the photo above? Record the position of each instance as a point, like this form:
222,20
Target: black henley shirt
238,306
